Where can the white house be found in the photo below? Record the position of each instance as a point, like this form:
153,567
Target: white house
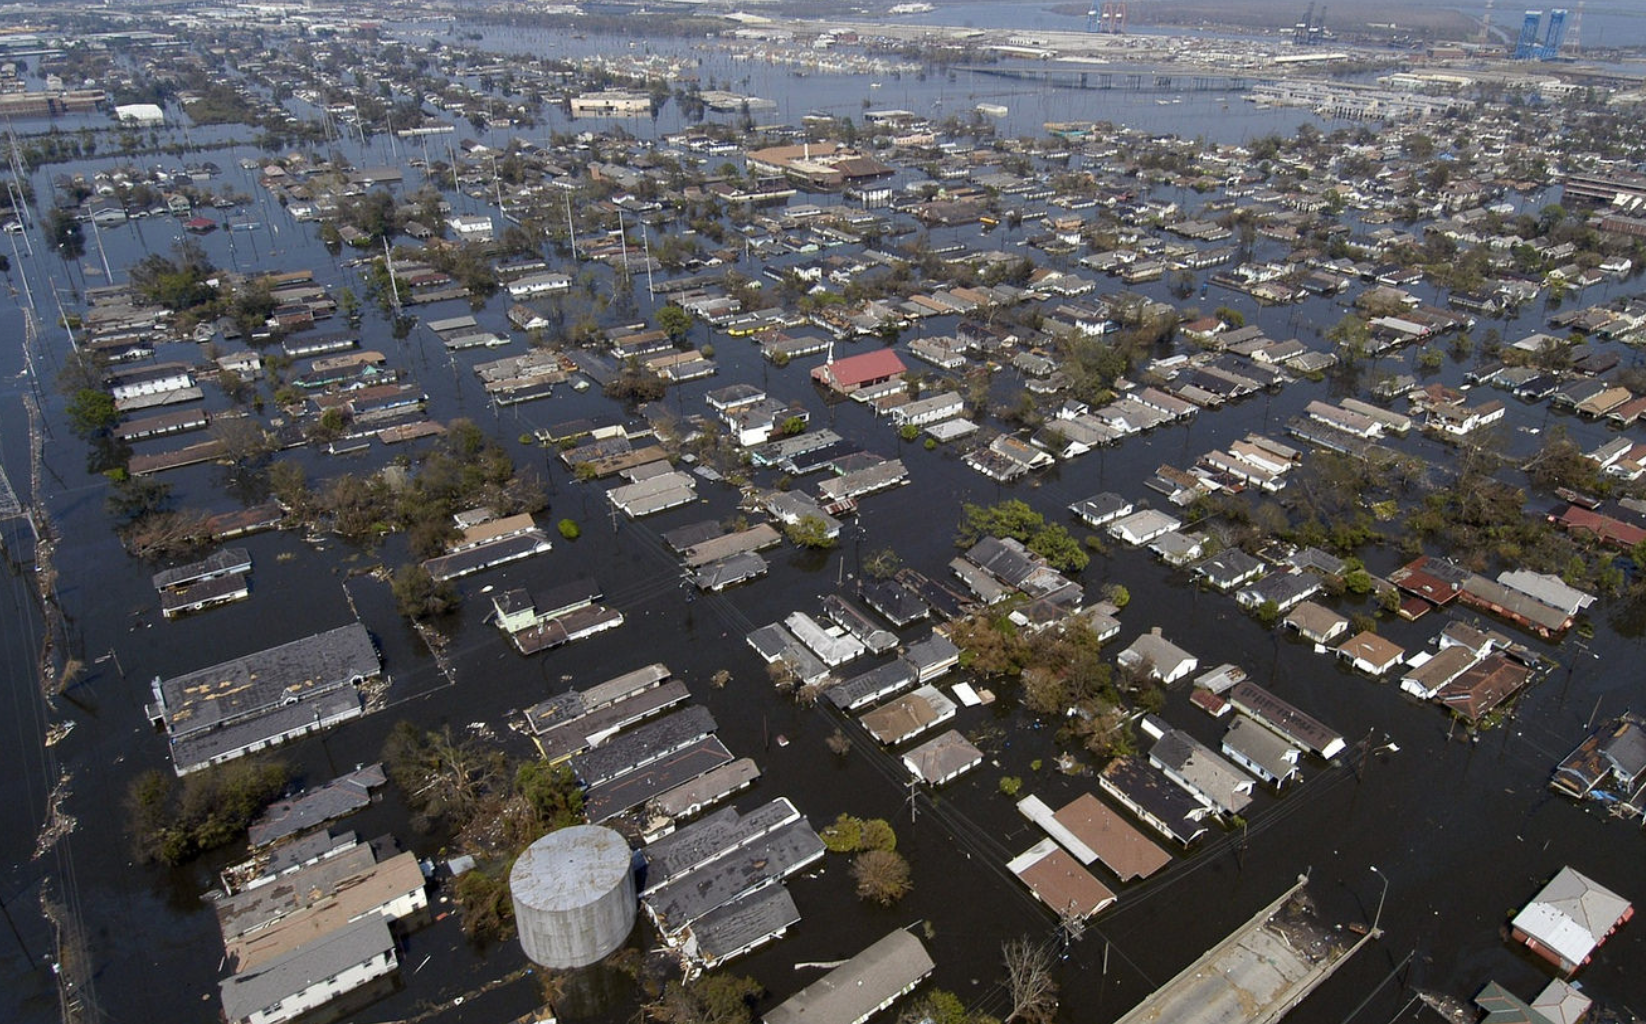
1101,509
142,114
1569,919
934,409
1158,657
1371,653
154,379
1141,527
612,101
477,228
536,284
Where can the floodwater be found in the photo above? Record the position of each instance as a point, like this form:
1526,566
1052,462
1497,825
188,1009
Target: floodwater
1461,833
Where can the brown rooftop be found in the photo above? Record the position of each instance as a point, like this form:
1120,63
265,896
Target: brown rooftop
1122,849
1065,886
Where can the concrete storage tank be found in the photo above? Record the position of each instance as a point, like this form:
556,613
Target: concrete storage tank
574,898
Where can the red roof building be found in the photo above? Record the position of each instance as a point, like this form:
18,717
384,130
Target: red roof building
1602,527
860,371
1433,581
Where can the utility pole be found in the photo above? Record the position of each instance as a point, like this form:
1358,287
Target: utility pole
646,239
388,261
571,227
22,272
1377,918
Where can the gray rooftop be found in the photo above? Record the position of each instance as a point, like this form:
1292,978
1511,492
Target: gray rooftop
1260,747
255,908
689,897
943,757
578,734
343,795
306,848
260,728
227,560
857,988
285,976
1166,804
631,789
707,788
212,697
871,685
745,565
1209,776
643,745
574,703
1291,723
714,836
744,923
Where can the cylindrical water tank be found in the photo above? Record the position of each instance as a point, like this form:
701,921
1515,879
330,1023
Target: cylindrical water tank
574,898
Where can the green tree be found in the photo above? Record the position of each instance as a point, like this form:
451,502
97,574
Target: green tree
674,321
487,908
710,999
63,232
92,412
569,529
1054,543
810,532
174,822
884,564
552,791
134,497
878,834
845,835
1351,335
419,595
941,1007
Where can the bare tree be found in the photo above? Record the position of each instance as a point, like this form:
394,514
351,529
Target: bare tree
839,742
1029,977
882,876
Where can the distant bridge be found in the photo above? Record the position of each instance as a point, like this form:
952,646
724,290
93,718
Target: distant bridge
1129,81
